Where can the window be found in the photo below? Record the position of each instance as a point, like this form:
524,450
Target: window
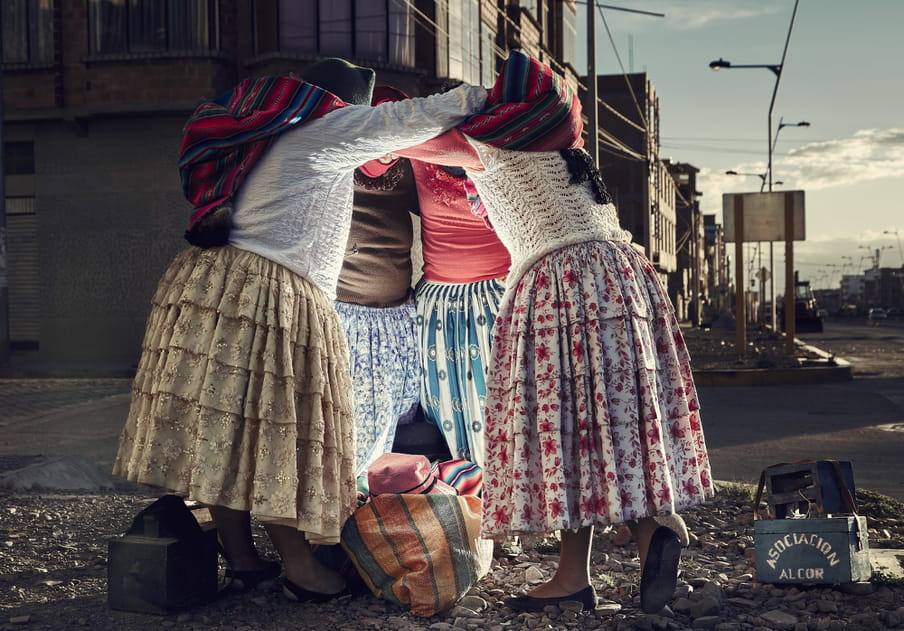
151,26
374,30
569,33
457,51
19,158
487,56
23,262
370,29
464,41
27,31
281,29
335,28
401,33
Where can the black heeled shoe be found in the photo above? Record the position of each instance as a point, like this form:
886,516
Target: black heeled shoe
659,576
524,602
301,595
243,580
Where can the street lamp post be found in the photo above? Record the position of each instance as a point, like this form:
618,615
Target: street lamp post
762,177
789,251
874,258
782,124
720,63
900,252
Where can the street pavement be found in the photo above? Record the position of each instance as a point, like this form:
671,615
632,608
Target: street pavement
747,428
750,428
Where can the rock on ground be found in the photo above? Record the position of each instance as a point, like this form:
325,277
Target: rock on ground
53,564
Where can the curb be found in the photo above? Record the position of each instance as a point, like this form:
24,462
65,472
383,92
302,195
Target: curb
826,369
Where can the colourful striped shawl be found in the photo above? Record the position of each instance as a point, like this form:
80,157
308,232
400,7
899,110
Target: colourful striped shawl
530,108
224,137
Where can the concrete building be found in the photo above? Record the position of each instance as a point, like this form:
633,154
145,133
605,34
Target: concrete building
686,285
95,94
882,287
852,286
716,280
638,180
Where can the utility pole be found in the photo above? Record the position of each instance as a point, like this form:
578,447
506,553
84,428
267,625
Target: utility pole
4,261
593,90
592,145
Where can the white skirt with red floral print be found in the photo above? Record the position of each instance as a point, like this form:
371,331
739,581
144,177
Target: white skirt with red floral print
592,413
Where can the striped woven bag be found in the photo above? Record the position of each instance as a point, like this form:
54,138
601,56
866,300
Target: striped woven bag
464,476
423,551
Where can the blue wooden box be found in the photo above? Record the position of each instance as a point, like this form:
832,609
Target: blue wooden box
809,488
830,550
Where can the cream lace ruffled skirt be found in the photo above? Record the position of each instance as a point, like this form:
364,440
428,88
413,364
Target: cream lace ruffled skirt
242,397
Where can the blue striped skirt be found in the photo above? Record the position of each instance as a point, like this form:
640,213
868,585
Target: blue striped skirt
456,330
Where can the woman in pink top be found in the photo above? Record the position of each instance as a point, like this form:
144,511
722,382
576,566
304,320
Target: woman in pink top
457,301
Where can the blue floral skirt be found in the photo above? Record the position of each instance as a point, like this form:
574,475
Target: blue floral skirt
385,369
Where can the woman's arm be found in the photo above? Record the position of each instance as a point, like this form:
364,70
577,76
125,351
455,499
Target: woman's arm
352,135
449,149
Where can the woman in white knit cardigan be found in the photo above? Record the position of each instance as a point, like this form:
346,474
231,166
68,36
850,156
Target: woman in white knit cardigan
592,413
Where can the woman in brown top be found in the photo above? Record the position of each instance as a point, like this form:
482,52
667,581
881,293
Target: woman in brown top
375,301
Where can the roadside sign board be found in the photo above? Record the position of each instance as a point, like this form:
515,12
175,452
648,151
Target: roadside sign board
763,216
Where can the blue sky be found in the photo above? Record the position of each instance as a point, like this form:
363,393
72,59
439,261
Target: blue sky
844,73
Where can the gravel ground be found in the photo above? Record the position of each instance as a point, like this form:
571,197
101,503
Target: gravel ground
714,349
53,564
53,555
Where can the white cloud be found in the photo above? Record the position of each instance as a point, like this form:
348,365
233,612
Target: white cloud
870,154
685,15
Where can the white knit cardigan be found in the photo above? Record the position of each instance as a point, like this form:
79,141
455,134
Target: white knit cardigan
295,207
535,209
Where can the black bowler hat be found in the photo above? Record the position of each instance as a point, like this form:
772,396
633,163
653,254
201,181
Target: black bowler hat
353,84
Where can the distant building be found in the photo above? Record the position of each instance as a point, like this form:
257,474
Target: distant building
95,94
852,286
639,181
716,280
686,285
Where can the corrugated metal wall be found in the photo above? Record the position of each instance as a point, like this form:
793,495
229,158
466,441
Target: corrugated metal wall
23,272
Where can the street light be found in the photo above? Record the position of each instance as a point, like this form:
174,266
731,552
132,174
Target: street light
720,63
789,266
900,252
762,177
781,124
874,259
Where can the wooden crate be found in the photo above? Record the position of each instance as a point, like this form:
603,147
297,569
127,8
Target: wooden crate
161,575
830,550
808,488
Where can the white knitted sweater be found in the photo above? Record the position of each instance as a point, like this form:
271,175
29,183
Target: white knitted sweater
295,207
535,209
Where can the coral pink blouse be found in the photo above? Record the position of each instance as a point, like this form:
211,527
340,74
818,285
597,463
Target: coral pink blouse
458,246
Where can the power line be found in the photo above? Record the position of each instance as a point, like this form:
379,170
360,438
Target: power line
609,6
640,113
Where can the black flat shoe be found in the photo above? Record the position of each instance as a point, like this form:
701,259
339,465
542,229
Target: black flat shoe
249,579
587,598
659,576
302,595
